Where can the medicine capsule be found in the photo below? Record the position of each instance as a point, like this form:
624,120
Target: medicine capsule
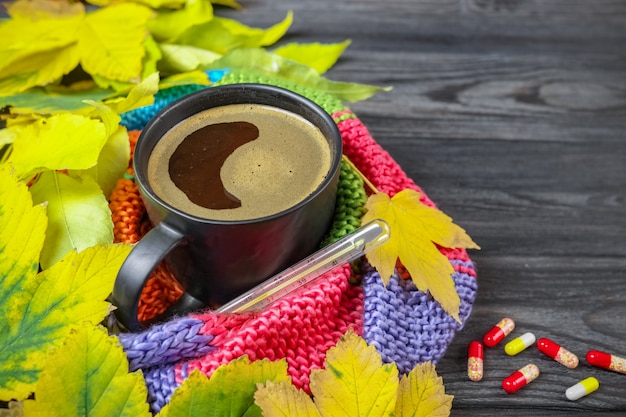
499,332
475,356
606,361
558,353
521,378
584,387
519,344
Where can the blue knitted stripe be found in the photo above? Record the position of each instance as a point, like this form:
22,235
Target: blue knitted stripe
406,325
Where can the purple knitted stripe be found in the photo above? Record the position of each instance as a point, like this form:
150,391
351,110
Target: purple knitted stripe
166,343
406,325
161,383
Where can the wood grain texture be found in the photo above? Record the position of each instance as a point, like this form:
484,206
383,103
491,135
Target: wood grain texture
511,115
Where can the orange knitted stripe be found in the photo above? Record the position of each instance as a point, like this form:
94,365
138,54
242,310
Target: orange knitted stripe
129,225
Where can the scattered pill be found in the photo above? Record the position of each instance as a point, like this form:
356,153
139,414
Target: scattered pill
475,355
520,378
606,361
499,332
584,387
519,344
557,352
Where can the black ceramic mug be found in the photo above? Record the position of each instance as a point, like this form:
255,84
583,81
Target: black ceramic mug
264,152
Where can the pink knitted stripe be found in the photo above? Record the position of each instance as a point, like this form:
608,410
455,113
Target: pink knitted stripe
380,168
300,328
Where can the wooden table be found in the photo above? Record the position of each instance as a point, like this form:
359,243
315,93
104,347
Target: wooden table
511,115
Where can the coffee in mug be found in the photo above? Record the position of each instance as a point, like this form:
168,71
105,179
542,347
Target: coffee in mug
239,162
239,182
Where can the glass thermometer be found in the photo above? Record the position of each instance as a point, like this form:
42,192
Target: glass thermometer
346,249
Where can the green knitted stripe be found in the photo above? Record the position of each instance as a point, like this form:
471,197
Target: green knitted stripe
350,205
325,101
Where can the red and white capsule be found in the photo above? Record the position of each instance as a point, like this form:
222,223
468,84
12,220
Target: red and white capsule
499,332
606,361
475,357
557,352
519,379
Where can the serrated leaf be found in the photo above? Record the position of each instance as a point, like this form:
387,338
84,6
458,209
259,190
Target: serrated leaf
38,69
415,228
229,391
78,215
354,382
111,42
264,62
112,162
40,309
222,35
318,56
282,399
169,24
64,141
88,376
19,257
422,394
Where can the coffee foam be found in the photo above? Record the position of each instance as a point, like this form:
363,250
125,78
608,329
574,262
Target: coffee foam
288,162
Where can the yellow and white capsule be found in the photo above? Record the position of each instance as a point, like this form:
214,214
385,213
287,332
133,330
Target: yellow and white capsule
583,388
519,344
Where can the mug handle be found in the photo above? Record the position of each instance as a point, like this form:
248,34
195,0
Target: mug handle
135,271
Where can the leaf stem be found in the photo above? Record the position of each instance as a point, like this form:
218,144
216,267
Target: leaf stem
366,181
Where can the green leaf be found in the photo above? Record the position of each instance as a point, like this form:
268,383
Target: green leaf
222,35
78,214
112,162
182,58
64,141
169,24
38,310
318,56
355,383
111,42
53,99
277,66
88,376
229,391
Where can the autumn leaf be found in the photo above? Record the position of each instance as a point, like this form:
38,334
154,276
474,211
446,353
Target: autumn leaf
38,309
415,228
422,394
316,55
282,399
111,41
78,213
229,391
64,141
354,382
88,376
169,24
264,62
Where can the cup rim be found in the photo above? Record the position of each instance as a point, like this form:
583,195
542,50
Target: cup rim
255,93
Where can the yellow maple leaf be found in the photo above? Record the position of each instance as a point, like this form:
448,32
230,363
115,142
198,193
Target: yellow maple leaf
415,228
421,393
